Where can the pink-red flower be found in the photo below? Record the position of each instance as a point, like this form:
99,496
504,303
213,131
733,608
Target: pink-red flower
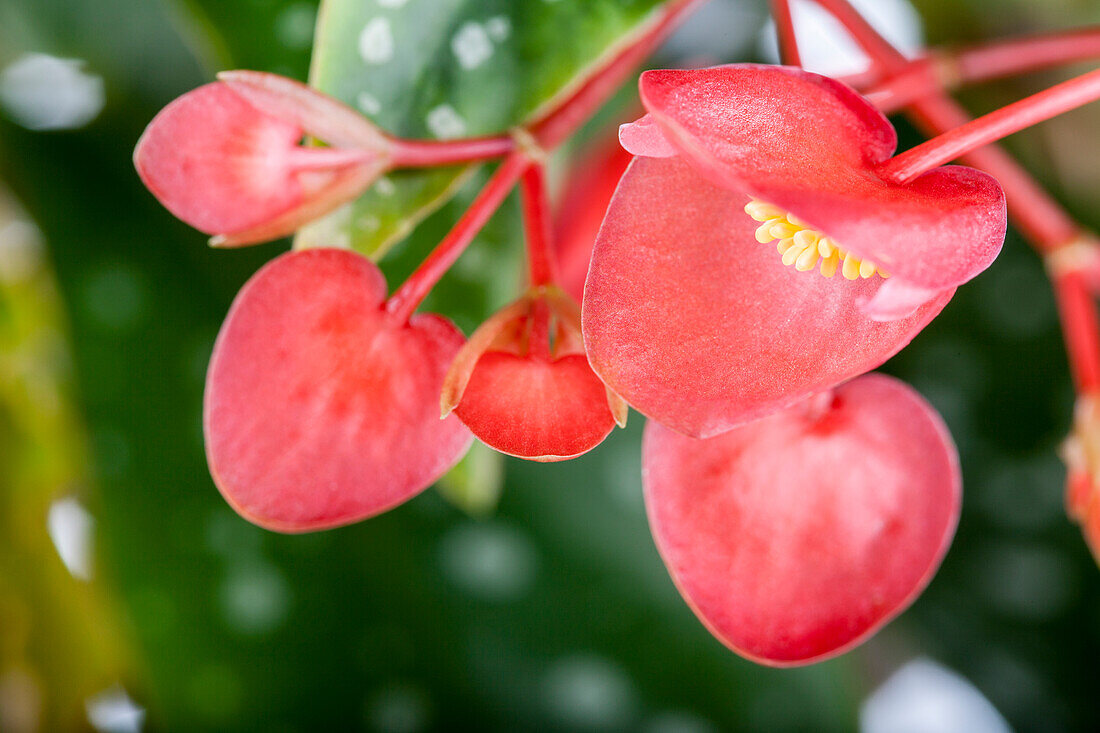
699,324
523,386
228,159
798,536
321,407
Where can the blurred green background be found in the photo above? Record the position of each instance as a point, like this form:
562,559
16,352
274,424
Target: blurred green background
551,611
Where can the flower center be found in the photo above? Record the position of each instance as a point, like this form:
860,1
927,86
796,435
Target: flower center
804,247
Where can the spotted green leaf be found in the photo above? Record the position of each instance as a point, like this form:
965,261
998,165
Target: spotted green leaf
450,68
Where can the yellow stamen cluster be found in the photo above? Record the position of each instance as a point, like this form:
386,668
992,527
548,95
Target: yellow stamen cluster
805,248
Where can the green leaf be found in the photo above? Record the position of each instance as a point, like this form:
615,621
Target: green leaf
475,484
450,68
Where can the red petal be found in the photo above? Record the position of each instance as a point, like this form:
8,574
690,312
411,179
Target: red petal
897,299
536,409
701,327
320,410
811,145
644,137
797,537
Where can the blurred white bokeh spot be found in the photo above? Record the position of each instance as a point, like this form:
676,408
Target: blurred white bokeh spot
43,92
718,31
21,251
255,598
587,692
925,697
491,561
71,528
826,47
400,707
676,721
112,711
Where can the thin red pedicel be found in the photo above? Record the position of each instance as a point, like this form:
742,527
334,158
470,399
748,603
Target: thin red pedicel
942,69
784,30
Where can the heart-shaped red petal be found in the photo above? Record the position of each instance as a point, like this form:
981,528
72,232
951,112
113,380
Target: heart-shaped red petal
700,327
320,409
798,536
534,408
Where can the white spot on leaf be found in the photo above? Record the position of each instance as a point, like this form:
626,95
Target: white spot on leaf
385,186
368,103
471,46
499,27
376,41
445,123
391,3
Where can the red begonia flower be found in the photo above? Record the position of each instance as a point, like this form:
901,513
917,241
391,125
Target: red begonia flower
525,397
227,157
321,409
701,326
797,537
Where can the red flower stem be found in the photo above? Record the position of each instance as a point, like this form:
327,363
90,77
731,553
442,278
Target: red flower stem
430,153
993,126
315,158
538,335
536,219
404,301
882,52
1080,329
553,128
947,69
784,31
1042,220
